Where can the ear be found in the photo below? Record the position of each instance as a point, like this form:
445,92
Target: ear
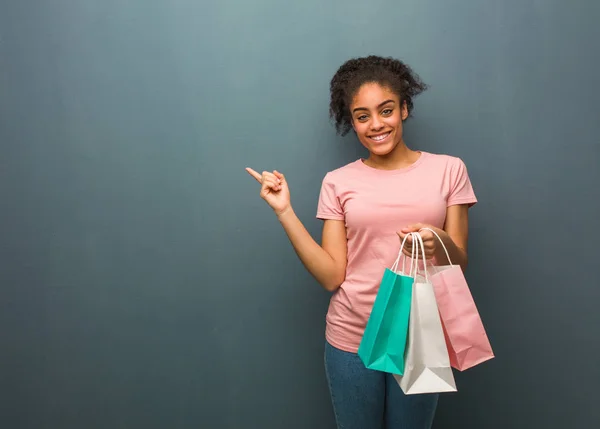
404,111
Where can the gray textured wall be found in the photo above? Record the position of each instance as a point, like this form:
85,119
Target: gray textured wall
144,284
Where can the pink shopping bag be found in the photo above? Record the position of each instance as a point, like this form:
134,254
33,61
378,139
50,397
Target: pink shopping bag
466,339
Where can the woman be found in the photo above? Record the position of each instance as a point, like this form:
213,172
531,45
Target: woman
366,206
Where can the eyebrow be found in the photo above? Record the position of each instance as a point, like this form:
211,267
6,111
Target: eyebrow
380,105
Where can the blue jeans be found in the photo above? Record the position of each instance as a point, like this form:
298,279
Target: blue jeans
366,399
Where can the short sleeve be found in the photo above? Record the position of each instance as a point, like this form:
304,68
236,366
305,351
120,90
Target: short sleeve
329,206
461,189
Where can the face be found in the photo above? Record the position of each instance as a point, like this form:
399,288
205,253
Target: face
377,117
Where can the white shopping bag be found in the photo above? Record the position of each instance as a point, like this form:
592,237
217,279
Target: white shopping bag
427,363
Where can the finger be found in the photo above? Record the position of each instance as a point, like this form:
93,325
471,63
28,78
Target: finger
279,175
269,175
254,174
407,252
270,183
267,188
429,244
424,232
412,228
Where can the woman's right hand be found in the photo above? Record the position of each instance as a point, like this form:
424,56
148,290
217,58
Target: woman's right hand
274,190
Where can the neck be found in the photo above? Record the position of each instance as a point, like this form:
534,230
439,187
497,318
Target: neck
398,158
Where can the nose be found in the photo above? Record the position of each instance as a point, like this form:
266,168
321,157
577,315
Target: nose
376,124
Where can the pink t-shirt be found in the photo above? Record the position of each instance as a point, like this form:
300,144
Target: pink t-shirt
375,204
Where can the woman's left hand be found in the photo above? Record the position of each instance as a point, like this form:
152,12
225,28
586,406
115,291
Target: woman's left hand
430,241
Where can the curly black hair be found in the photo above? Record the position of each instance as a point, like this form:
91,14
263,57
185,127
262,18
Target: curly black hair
389,72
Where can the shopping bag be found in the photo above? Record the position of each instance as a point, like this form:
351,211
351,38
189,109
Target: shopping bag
467,342
427,363
383,344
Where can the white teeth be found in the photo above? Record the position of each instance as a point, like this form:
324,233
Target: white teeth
381,137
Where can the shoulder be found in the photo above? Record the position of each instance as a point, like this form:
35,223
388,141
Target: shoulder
452,167
343,173
455,179
334,186
445,160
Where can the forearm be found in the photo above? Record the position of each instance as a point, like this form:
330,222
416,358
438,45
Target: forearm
458,255
328,272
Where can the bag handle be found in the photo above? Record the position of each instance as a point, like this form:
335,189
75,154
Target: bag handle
400,254
415,244
419,242
441,242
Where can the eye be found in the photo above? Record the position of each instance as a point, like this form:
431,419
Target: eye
362,117
387,112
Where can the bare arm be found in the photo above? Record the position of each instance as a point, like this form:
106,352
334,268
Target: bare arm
455,236
326,262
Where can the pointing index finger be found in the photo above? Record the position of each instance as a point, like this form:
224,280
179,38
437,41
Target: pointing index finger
254,174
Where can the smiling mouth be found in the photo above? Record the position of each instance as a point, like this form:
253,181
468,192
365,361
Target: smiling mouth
381,137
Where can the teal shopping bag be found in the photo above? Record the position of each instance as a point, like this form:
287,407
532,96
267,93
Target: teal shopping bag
385,338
